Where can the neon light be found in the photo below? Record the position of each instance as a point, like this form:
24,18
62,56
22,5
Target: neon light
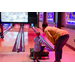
41,16
70,18
50,16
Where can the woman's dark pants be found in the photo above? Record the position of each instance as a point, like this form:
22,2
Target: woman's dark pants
59,45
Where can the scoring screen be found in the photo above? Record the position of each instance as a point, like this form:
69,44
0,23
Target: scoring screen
50,16
70,18
14,16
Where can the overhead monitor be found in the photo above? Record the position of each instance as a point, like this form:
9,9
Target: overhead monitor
50,16
70,18
14,16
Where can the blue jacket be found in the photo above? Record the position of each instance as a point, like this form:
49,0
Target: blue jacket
37,46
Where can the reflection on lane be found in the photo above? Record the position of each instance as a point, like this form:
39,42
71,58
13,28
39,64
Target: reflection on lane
9,39
26,38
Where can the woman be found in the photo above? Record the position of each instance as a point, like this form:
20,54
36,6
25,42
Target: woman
58,38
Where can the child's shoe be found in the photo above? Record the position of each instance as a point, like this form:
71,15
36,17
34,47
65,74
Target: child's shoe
34,60
38,61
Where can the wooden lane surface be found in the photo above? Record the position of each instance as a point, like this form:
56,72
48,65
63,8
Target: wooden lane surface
15,28
29,36
6,44
24,57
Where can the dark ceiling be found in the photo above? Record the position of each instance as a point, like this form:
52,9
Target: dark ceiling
32,14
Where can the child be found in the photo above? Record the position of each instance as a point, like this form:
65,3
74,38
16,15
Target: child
37,46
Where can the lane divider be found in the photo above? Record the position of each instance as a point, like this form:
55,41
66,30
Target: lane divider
19,45
18,35
22,42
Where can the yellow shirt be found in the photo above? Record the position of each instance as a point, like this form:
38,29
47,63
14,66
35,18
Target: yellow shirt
54,33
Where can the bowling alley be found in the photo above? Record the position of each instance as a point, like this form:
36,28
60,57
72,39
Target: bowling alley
37,36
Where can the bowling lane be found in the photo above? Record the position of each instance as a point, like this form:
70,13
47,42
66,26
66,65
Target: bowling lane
6,44
29,36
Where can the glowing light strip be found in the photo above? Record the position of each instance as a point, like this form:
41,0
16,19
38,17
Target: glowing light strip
70,21
41,16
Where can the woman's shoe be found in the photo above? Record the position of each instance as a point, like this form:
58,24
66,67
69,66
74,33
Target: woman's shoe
57,61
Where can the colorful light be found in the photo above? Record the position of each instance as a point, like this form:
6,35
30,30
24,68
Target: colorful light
50,16
70,18
41,16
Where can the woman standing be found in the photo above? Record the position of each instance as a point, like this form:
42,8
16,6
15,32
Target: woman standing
58,38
